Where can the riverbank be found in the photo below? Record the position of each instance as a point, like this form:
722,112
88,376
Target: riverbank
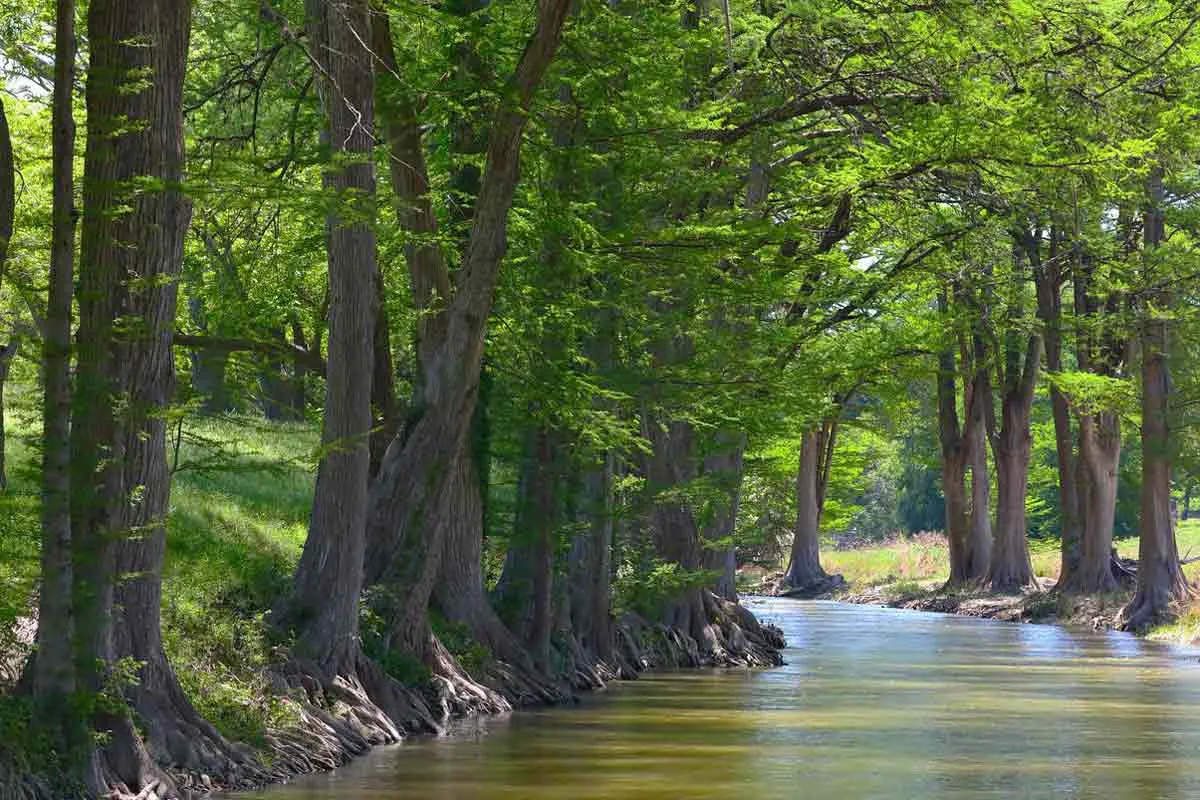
911,571
239,512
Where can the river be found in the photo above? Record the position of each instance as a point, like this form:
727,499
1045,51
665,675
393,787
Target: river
872,703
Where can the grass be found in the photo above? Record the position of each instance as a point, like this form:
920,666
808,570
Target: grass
922,559
238,517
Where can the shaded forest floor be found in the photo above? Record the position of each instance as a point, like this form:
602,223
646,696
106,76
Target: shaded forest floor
910,572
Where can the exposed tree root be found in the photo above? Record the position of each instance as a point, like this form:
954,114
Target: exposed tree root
341,716
730,636
457,693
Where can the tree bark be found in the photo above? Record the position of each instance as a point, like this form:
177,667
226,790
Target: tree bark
1048,280
978,557
1099,455
54,678
805,569
324,607
384,405
413,476
725,465
8,198
591,576
954,460
1160,578
672,464
132,249
1011,569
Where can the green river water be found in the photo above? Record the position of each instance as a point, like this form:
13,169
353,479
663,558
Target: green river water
872,703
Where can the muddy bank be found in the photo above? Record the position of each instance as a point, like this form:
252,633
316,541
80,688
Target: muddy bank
1039,605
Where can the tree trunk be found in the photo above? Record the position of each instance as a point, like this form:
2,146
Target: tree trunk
978,558
805,569
591,576
324,607
54,678
725,464
209,365
1160,578
1099,458
525,589
1048,279
384,405
299,404
413,476
1011,569
954,461
132,249
459,592
8,195
670,465
273,396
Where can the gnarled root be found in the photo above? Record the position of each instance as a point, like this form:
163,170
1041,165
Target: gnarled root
343,715
181,754
456,693
722,634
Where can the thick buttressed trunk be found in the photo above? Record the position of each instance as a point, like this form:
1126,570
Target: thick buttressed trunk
671,465
461,595
526,587
725,466
1099,454
591,564
323,609
1011,569
968,526
1160,579
1048,278
120,479
805,569
409,495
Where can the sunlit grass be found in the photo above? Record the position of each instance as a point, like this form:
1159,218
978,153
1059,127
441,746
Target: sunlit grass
917,559
240,500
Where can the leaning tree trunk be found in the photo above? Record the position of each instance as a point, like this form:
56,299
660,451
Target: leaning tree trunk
1011,569
1161,581
412,479
323,609
805,569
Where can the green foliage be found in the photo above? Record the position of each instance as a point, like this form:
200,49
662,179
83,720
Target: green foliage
650,591
471,655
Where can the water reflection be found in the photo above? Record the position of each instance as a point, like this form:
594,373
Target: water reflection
873,703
